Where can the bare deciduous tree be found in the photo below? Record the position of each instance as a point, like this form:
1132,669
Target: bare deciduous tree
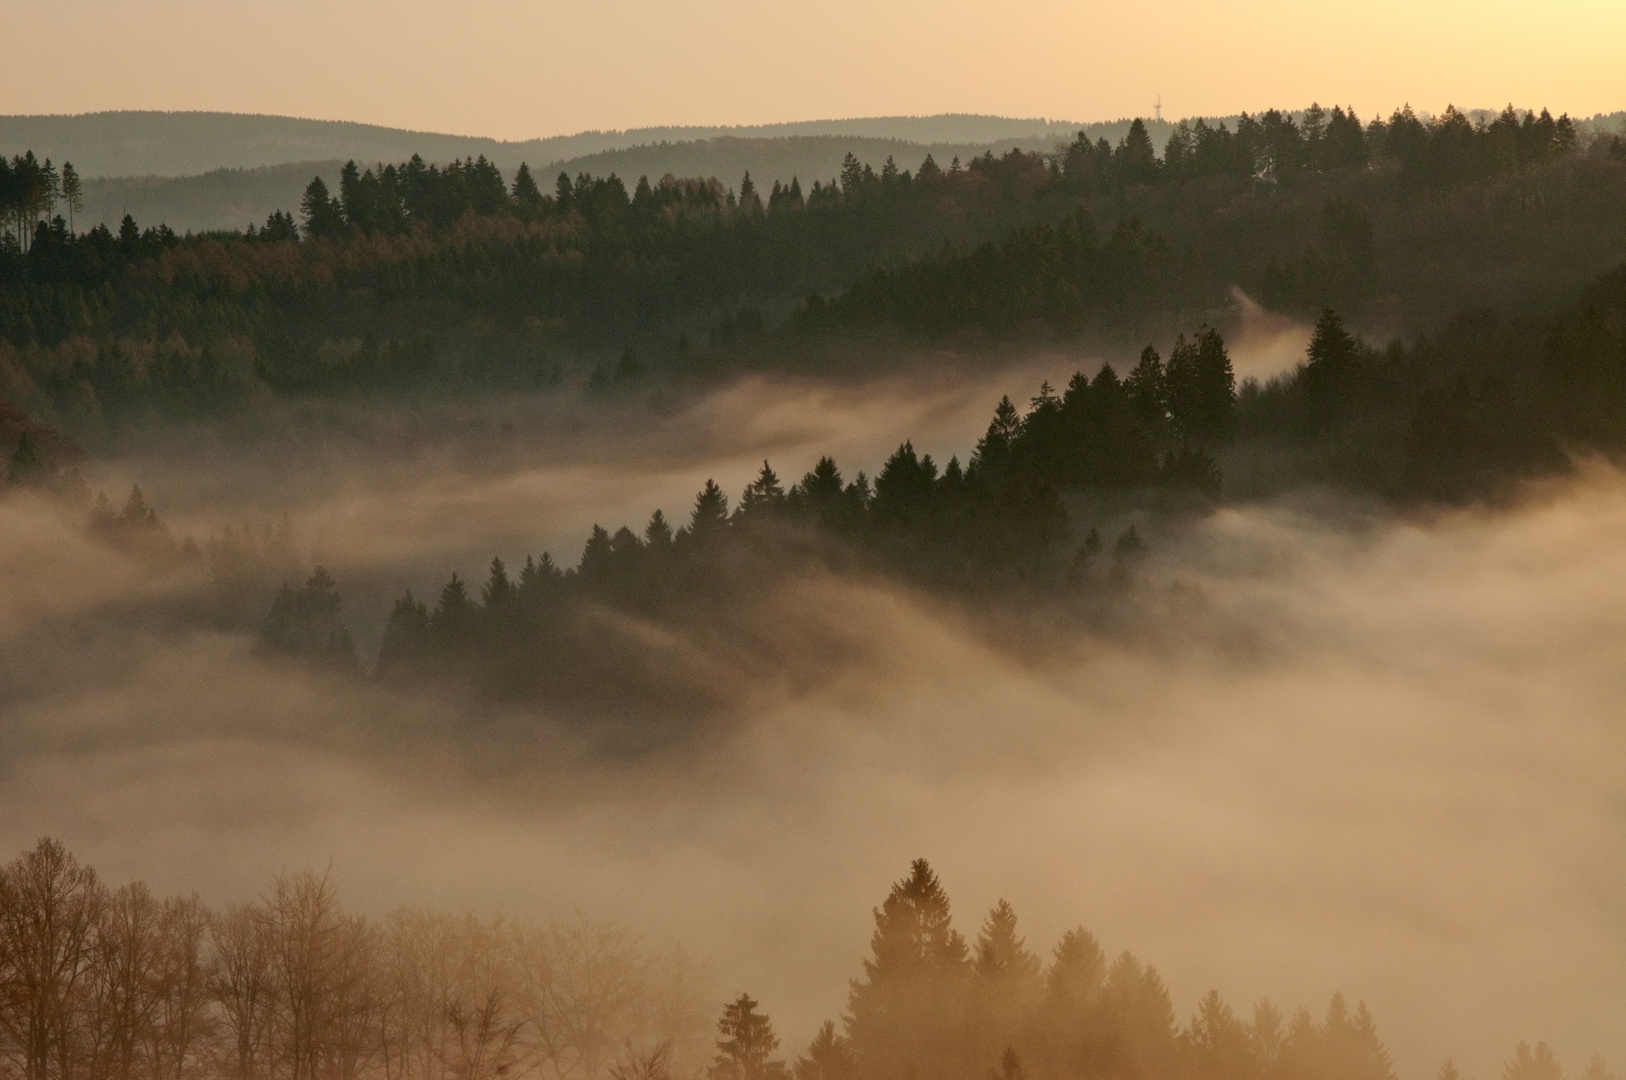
50,907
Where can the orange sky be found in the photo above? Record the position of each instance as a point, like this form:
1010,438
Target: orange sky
523,68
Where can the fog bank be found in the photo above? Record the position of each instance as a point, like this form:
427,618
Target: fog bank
1335,750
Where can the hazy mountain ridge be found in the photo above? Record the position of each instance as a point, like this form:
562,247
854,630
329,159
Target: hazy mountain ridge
235,198
203,171
189,143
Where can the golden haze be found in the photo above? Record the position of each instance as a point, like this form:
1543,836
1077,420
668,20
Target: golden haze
520,69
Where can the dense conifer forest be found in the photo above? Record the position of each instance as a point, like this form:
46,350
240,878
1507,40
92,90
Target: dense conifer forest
1466,286
415,276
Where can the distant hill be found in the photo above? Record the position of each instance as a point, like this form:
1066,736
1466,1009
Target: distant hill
198,171
219,199
190,143
231,198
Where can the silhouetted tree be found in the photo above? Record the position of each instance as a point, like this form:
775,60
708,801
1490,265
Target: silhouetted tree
748,1041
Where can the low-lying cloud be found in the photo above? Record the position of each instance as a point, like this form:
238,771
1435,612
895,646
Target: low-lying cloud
1333,748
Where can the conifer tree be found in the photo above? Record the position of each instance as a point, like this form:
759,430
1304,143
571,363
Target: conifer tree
1002,958
26,467
993,454
1222,1046
454,614
1532,1063
73,192
1078,967
498,590
743,1053
903,1014
1329,373
305,624
1135,159
405,644
1008,987
827,1057
525,193
323,215
658,533
710,512
764,493
1147,390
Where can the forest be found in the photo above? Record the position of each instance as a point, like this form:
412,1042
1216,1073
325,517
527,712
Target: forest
1034,520
351,433
416,276
115,983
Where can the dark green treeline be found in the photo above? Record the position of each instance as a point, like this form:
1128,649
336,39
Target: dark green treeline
416,275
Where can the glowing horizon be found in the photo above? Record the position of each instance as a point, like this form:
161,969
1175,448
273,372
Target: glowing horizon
514,70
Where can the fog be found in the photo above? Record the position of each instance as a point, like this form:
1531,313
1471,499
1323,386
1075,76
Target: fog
1335,748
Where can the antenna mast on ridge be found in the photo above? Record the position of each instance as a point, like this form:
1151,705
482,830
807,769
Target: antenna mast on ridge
1157,110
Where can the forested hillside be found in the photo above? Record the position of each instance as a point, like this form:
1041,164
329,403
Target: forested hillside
415,277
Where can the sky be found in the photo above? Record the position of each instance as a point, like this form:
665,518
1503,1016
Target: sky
517,69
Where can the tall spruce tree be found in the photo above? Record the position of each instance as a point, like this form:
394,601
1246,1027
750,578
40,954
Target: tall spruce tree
906,1013
1329,373
323,215
747,1043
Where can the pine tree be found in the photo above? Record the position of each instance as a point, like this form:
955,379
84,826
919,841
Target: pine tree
323,215
748,1040
1201,388
525,193
827,1057
710,512
750,201
765,493
1148,391
904,1013
597,565
26,466
1222,1046
1532,1063
405,644
1002,958
993,454
498,590
1078,967
904,488
1135,1006
1008,986
1216,387
852,174
453,616
279,226
1135,159
1328,375
658,534
73,192
823,485
305,624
